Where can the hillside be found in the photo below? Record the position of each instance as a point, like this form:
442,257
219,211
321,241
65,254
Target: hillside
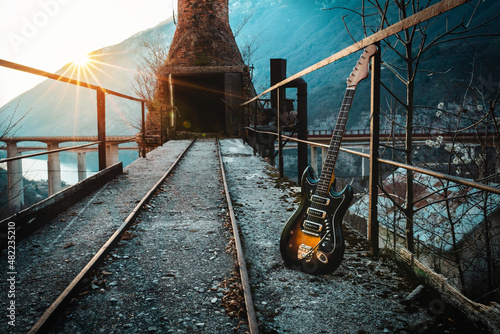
299,31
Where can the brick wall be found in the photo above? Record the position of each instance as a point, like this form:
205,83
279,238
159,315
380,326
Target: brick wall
203,36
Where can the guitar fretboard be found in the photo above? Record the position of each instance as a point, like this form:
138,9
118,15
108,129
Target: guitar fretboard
329,165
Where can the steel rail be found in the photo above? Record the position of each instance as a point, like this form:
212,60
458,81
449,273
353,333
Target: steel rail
424,15
44,322
245,282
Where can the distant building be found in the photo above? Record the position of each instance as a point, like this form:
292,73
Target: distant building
458,237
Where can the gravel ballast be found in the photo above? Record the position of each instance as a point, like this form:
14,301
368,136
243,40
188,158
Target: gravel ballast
49,259
174,272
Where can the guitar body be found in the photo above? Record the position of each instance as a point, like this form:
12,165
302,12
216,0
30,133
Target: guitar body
312,238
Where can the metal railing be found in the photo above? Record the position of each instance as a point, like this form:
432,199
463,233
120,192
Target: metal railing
486,313
101,105
374,133
15,190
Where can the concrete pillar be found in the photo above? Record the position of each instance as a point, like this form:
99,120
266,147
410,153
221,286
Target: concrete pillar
365,164
314,159
15,179
82,166
53,169
112,154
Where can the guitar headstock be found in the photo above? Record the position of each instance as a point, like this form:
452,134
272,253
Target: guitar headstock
361,70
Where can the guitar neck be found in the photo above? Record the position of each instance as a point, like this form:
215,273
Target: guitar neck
327,173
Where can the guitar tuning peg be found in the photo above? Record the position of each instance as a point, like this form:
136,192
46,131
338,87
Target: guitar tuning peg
355,68
363,57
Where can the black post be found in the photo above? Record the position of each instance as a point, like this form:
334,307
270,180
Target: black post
302,126
143,129
278,73
373,225
101,128
280,140
301,86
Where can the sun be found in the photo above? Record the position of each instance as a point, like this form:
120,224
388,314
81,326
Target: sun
81,61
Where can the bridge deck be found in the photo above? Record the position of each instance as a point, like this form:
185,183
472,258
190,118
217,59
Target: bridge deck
141,278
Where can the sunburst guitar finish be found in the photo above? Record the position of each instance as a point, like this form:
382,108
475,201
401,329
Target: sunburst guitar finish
312,239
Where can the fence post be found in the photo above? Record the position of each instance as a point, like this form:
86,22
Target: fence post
280,151
373,224
101,127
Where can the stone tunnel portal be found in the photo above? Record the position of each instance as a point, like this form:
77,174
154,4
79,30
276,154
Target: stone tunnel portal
200,101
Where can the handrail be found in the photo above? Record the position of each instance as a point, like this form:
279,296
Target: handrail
59,150
456,179
411,21
47,152
58,77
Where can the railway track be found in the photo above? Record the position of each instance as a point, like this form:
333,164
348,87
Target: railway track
169,272
57,313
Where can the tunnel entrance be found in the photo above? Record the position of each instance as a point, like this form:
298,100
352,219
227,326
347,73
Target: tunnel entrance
199,99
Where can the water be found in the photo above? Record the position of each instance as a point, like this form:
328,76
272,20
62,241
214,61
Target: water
36,170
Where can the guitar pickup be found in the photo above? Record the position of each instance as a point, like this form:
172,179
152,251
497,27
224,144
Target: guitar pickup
312,227
320,200
316,213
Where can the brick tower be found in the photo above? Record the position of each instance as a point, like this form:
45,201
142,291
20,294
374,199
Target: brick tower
204,78
203,37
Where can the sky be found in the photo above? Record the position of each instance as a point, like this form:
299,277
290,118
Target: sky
47,34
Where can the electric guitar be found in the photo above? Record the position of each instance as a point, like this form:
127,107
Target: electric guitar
312,238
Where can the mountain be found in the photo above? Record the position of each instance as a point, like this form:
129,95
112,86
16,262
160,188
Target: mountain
301,31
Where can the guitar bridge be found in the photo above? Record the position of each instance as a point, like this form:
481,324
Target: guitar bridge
305,253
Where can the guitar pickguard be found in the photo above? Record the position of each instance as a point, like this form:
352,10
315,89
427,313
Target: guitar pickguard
311,240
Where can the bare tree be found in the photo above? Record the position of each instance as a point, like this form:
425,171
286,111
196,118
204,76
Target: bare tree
154,52
153,55
10,124
410,49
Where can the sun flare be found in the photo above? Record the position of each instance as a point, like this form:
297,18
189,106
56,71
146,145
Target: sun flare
81,61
